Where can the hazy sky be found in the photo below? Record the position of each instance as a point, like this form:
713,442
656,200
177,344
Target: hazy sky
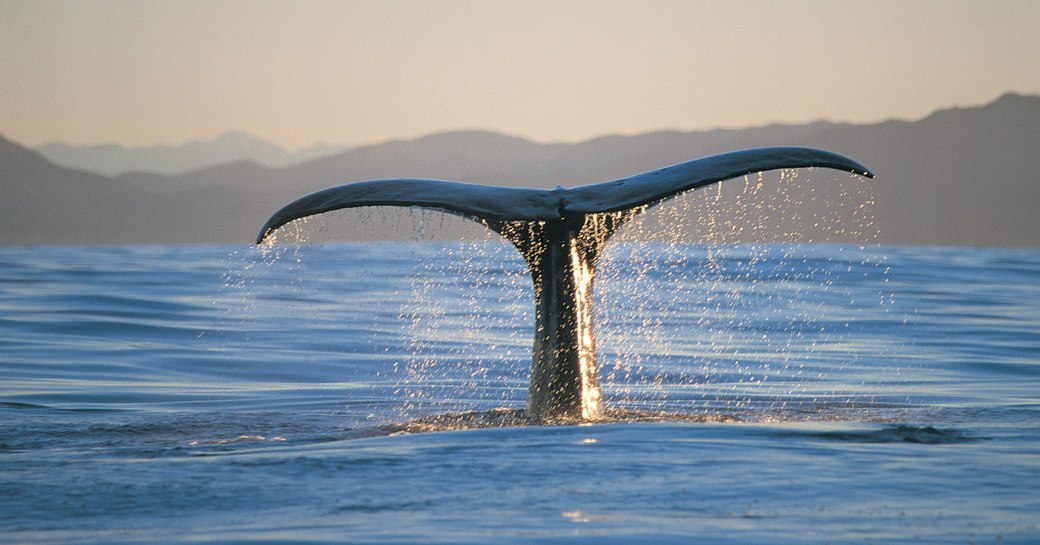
298,72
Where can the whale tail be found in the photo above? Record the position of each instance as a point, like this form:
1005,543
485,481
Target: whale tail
560,233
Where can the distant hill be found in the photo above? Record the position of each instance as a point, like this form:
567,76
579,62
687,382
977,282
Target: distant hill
111,159
962,176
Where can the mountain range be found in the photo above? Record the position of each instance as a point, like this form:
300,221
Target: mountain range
113,159
960,176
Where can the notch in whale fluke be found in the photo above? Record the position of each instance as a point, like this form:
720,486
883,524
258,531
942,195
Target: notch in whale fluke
497,204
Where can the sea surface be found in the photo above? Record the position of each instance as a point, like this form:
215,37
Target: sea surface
367,393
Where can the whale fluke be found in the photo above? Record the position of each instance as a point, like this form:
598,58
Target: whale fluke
494,203
560,233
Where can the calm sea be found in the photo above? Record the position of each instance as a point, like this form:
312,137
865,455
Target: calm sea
818,394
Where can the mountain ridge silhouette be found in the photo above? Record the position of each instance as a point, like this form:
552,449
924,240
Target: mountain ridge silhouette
959,176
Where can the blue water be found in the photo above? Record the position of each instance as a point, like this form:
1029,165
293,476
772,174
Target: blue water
817,394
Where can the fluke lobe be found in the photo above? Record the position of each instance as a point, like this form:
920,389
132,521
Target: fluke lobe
560,233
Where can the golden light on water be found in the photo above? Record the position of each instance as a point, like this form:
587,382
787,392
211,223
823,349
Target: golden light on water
590,390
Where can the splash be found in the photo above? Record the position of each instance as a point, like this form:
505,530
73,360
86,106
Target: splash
737,312
514,418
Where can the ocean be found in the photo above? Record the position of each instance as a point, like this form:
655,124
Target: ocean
361,393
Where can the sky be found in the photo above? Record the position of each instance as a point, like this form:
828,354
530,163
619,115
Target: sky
300,72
